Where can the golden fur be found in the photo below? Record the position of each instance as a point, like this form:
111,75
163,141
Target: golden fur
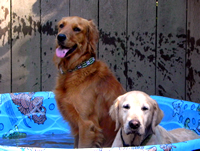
84,96
138,116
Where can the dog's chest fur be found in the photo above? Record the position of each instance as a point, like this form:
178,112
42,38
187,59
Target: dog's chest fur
73,90
76,93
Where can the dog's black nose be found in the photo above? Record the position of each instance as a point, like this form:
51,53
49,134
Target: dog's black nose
134,124
61,37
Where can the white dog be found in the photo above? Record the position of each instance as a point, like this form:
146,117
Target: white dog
138,115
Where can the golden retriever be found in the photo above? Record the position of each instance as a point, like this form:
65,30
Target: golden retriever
85,87
138,116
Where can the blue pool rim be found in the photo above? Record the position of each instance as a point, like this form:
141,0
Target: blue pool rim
177,112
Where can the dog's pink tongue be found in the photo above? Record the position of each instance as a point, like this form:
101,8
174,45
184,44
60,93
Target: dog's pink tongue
61,52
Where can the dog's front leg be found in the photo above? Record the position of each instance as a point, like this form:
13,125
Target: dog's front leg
90,136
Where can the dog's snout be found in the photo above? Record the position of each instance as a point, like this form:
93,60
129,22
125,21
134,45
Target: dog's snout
61,37
134,124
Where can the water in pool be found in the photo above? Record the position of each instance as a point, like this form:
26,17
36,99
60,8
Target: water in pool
44,141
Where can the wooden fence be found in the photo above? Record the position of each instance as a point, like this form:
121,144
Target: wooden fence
149,48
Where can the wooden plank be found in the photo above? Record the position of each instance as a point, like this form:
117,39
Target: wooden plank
171,48
87,9
25,45
112,44
5,68
141,46
51,13
193,53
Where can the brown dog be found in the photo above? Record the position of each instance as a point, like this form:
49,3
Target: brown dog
138,116
85,87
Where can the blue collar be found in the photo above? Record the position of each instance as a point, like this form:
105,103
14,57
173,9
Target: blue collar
82,65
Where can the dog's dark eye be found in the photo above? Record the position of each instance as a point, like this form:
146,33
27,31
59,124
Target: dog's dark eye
61,25
126,106
144,108
77,29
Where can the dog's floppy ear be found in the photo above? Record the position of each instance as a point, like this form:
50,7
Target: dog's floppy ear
93,35
114,113
157,115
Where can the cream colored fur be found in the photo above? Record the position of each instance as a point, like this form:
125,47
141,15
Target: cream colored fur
138,107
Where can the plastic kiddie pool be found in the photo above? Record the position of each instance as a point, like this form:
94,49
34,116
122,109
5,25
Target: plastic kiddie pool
31,121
